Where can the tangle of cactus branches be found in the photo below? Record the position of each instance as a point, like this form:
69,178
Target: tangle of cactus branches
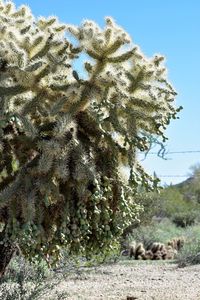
64,139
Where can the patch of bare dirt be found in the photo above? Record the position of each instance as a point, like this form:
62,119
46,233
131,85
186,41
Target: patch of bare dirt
140,280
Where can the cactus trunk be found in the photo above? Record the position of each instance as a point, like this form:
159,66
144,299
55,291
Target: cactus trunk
7,250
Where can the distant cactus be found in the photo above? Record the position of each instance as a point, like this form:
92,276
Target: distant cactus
139,251
171,252
148,255
155,251
132,248
176,243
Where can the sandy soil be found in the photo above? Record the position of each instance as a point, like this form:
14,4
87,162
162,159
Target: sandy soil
137,279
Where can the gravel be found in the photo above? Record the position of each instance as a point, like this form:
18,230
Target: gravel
129,279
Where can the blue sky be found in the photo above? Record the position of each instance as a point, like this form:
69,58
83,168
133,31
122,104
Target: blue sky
171,28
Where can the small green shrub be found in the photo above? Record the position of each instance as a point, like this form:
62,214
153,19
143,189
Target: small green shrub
23,280
20,270
190,254
184,219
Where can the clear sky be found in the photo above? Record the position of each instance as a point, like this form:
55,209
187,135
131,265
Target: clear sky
170,27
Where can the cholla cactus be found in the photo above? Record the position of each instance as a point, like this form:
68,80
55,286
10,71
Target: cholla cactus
63,139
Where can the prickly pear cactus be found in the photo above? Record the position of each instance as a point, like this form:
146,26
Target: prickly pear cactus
64,139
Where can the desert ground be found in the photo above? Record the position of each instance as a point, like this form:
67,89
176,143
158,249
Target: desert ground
128,279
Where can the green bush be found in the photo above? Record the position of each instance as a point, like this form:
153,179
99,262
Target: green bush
190,253
170,203
183,219
20,270
23,280
152,206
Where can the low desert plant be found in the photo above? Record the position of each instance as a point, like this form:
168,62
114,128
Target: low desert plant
190,253
23,280
184,219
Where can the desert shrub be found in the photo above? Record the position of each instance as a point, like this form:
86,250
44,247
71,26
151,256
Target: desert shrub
183,219
190,253
173,202
152,205
24,281
169,203
31,281
30,291
190,188
20,270
14,291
